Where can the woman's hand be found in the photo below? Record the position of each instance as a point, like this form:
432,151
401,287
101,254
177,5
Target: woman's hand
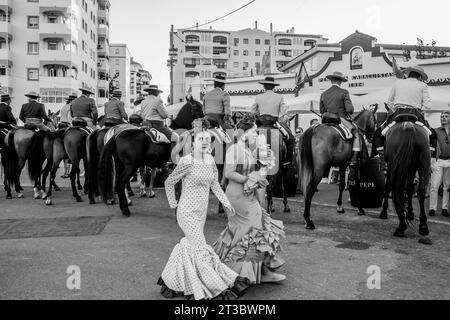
230,211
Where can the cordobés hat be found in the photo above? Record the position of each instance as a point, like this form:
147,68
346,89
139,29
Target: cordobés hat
33,95
117,94
152,87
269,80
337,75
86,90
219,78
417,69
5,97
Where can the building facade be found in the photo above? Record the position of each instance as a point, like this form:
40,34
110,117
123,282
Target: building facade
244,53
103,52
120,69
54,45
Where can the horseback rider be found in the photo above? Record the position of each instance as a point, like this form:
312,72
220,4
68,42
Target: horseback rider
216,104
154,113
64,121
272,104
33,113
6,115
409,96
115,109
84,107
336,101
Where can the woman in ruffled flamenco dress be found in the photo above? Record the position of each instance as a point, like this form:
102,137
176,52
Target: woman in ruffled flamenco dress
194,270
251,241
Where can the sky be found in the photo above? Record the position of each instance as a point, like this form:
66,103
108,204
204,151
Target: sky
144,25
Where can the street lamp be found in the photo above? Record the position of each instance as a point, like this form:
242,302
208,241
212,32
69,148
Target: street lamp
173,53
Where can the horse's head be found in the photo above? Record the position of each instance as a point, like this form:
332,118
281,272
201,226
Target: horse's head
367,122
196,107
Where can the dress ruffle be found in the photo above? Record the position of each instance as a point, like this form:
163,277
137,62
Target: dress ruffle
255,249
238,290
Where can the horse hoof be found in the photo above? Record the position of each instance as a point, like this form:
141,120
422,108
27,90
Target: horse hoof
286,210
310,226
79,199
91,201
20,195
399,234
36,197
80,188
8,197
126,212
340,210
361,212
152,195
143,195
423,230
383,216
130,204
48,202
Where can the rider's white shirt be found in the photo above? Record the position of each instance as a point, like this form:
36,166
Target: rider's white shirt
411,92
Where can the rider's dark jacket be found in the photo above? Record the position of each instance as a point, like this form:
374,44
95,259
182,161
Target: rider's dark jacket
336,100
33,109
6,114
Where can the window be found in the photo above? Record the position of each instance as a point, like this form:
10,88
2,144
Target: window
257,41
266,53
2,70
117,62
236,64
236,42
33,74
285,42
245,41
52,19
245,52
33,22
245,66
257,53
33,48
236,52
33,0
117,51
52,45
267,42
83,45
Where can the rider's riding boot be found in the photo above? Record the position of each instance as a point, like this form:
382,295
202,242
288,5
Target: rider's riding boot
290,151
354,159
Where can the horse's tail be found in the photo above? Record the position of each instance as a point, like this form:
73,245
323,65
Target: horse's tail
307,163
93,156
36,155
106,172
10,159
401,162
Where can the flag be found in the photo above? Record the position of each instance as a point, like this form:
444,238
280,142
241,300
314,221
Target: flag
397,71
301,78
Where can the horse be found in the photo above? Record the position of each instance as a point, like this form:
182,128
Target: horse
321,148
190,111
131,149
407,153
279,180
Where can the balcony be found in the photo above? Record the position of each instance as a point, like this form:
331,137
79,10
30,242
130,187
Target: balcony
103,50
5,30
103,31
6,4
103,66
59,82
57,30
61,57
5,54
4,81
104,84
103,14
63,7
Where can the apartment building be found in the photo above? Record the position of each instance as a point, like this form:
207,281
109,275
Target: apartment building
139,79
120,68
103,52
244,53
54,45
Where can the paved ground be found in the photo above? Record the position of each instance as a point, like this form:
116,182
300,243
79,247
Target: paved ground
126,259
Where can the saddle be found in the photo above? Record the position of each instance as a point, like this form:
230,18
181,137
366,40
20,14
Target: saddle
117,130
31,126
334,120
79,122
156,136
266,120
63,125
405,116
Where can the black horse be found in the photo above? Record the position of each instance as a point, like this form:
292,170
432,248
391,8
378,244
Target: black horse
192,110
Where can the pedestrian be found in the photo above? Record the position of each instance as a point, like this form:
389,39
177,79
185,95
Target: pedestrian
154,113
194,269
272,104
216,104
84,107
6,115
33,113
440,167
115,109
251,240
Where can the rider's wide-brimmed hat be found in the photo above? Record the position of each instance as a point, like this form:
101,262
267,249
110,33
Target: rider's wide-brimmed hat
337,75
71,97
218,78
33,95
152,87
269,80
5,97
117,94
86,90
417,69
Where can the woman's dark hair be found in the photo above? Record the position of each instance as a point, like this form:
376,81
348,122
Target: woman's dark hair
247,122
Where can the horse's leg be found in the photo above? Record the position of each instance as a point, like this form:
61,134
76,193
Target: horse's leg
74,171
342,169
45,175
286,206
153,173
310,191
18,187
143,174
424,178
398,196
285,199
387,191
410,192
86,175
130,191
125,174
361,211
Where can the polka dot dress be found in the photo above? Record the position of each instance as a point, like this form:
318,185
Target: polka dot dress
193,267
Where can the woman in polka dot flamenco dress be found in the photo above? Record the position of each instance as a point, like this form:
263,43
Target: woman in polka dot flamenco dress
194,270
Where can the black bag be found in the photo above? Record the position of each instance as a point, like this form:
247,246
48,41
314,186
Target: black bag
329,117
